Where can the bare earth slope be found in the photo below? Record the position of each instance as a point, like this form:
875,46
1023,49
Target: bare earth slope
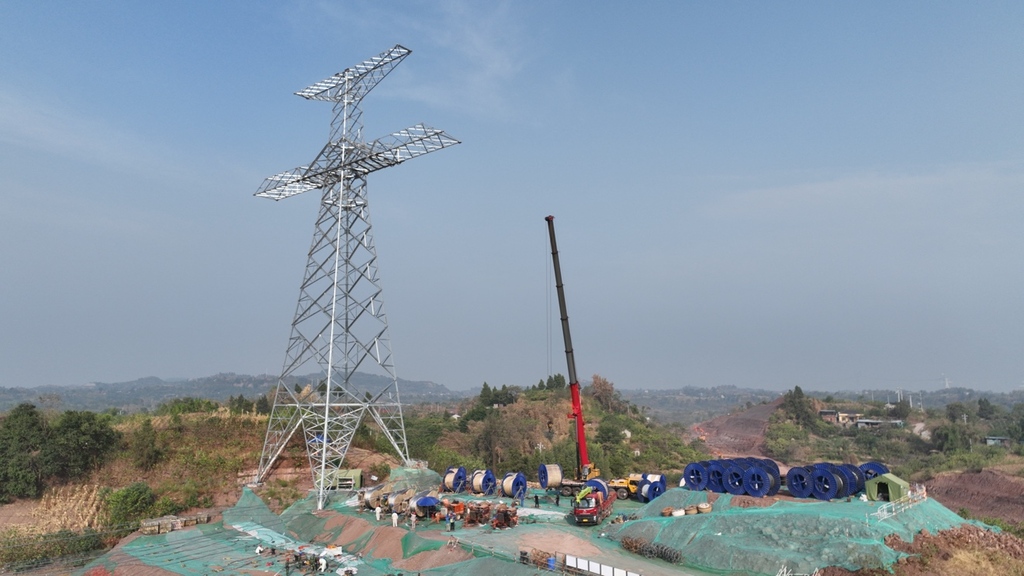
986,494
741,433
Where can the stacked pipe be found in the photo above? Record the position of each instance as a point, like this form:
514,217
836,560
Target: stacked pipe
651,486
825,481
455,479
756,477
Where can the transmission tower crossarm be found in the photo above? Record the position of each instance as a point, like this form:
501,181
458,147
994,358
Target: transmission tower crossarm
357,81
396,148
287,184
384,152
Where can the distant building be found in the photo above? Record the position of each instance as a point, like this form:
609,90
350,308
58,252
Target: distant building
840,418
867,423
845,418
998,441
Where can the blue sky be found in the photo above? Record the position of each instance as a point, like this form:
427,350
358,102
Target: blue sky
759,194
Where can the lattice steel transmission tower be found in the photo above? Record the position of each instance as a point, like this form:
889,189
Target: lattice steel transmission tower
339,323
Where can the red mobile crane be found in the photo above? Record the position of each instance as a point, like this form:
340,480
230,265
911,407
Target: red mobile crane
591,506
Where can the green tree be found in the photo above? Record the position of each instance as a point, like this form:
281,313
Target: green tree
486,395
986,410
144,449
556,382
505,396
23,433
240,405
798,408
955,412
79,442
186,405
901,410
263,405
609,433
951,438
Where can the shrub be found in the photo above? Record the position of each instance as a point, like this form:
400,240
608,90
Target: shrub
125,507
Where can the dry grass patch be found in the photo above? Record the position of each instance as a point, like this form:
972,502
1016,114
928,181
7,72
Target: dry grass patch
69,508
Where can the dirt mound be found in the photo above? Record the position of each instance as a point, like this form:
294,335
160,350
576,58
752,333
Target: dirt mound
985,494
963,551
739,434
386,542
433,559
751,502
351,528
556,540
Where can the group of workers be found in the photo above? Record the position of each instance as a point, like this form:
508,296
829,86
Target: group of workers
299,559
446,515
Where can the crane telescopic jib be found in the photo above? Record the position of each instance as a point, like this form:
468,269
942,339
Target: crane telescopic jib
583,466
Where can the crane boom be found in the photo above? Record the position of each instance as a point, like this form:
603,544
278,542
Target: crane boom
583,466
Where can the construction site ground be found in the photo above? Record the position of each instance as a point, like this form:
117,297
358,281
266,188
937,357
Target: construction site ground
351,536
741,535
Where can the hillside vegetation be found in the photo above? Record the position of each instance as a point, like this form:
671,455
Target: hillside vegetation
516,430
918,445
94,476
90,477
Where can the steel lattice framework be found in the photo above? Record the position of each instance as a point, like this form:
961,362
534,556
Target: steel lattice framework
339,321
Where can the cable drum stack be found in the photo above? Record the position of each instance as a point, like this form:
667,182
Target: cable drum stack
483,482
375,496
825,481
513,485
455,479
756,477
650,487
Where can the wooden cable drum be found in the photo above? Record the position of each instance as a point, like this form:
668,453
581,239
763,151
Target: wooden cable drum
483,482
513,485
455,479
549,475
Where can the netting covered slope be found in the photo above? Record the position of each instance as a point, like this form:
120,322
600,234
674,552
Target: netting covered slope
802,536
348,540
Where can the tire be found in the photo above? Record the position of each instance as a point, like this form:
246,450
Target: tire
622,493
566,491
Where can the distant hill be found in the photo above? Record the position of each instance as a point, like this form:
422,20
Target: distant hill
690,404
148,393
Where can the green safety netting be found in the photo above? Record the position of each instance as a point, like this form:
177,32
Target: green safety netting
251,510
801,536
414,477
